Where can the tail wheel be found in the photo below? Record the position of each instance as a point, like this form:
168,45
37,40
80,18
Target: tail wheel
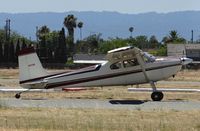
157,96
17,96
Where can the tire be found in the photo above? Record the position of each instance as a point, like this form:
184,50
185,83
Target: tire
17,96
157,96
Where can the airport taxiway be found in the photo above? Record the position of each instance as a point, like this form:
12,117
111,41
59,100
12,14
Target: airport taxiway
100,104
104,104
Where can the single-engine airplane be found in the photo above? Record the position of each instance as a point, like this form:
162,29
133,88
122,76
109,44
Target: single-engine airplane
123,66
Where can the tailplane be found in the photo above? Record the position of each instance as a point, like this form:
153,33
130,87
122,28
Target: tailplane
30,67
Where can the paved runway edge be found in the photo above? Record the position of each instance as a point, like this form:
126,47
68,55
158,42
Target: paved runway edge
101,104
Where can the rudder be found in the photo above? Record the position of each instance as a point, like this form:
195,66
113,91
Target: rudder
30,66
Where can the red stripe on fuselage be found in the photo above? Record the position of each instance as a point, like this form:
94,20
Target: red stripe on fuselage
26,51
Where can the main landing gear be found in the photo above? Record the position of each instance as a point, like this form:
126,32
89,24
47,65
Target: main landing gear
156,95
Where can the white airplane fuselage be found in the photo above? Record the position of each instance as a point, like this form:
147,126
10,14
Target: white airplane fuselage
103,75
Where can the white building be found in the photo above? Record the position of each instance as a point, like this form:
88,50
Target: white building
188,50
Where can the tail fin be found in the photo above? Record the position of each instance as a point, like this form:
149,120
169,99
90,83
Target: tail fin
30,66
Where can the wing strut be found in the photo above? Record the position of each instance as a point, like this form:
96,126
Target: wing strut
156,95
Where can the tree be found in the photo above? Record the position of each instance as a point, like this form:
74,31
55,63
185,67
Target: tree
17,49
166,40
173,38
61,52
11,52
24,44
43,49
153,42
142,41
70,24
89,44
52,45
80,25
1,52
6,52
173,35
132,42
43,32
112,44
131,30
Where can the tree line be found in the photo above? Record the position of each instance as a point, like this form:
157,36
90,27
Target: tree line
60,46
9,47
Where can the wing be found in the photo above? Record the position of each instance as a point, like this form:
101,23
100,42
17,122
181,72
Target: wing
89,61
123,53
20,90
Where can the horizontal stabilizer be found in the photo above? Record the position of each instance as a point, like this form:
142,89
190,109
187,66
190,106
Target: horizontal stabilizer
163,90
23,90
35,84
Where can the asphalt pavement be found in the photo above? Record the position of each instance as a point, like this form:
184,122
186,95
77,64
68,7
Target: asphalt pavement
100,104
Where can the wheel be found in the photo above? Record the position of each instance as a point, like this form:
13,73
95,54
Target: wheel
157,96
17,96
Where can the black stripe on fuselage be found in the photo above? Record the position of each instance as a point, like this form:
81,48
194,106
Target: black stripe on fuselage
67,74
94,78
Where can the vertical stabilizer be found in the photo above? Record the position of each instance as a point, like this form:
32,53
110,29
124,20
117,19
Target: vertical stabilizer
30,66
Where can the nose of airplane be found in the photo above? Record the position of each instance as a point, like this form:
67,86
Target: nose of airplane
185,61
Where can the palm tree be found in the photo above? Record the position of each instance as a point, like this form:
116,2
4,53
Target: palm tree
80,25
173,35
175,38
44,30
131,30
70,24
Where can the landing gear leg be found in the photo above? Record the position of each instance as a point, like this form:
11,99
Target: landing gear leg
18,95
156,95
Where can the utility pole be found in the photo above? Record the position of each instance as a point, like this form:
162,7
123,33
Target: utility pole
37,33
192,36
7,29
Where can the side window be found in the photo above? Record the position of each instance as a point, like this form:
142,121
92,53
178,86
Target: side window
130,63
145,59
117,65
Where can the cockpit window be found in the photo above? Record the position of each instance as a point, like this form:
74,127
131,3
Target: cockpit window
130,63
117,65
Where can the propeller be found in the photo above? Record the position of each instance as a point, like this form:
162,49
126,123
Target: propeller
185,60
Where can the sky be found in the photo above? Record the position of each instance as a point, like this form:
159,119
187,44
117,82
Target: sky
121,6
